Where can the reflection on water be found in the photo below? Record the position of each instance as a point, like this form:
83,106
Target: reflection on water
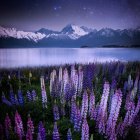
54,56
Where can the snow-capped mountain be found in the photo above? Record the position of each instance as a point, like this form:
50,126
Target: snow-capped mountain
71,35
12,32
73,31
70,31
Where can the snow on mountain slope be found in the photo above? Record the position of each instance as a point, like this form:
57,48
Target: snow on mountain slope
12,32
73,31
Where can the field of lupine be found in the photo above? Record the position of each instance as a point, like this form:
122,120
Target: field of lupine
96,101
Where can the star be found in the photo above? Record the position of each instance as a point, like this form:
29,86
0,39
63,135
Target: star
56,8
84,8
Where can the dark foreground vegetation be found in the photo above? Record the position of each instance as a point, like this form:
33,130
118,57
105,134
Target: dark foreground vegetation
71,102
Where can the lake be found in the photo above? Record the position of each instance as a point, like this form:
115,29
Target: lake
55,56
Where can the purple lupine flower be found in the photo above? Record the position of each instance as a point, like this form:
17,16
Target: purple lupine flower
91,105
65,78
88,77
42,131
30,124
55,132
29,135
95,114
114,113
102,108
80,81
8,126
84,108
127,120
74,79
130,82
69,135
112,90
20,98
29,97
85,130
73,109
136,85
5,101
44,98
12,97
77,119
60,81
39,137
72,74
18,126
67,92
34,97
56,112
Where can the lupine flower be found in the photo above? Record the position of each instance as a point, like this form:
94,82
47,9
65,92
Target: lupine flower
73,109
75,83
88,76
136,85
39,137
41,131
34,95
29,96
127,120
72,73
69,135
114,113
42,82
67,92
55,132
20,98
29,135
12,97
19,126
8,126
5,101
103,108
65,78
80,80
52,78
77,119
44,98
91,105
95,114
112,90
130,82
56,112
84,108
85,130
60,74
30,124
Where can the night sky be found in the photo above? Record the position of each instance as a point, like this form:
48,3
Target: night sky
55,14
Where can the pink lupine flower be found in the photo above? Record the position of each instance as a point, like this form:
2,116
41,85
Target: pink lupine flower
19,126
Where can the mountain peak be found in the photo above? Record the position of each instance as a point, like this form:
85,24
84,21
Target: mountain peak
74,31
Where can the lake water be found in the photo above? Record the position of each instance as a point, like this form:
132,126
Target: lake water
55,56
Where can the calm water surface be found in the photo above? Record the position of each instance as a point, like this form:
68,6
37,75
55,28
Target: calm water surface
55,56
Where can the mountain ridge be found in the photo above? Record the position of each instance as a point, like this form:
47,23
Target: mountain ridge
70,35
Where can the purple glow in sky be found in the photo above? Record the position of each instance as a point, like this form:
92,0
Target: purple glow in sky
55,14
